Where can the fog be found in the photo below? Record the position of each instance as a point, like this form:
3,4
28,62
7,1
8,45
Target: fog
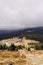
18,14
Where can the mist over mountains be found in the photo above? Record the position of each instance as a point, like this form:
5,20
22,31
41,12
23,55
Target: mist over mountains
36,31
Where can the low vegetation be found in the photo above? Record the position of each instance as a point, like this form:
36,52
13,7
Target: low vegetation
12,47
38,37
36,46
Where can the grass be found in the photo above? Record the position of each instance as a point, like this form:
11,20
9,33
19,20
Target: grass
13,57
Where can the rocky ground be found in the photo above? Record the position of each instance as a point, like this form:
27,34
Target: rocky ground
14,58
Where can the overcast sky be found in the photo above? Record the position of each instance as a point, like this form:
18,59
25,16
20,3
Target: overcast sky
16,14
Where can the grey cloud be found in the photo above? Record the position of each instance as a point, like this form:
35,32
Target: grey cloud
21,13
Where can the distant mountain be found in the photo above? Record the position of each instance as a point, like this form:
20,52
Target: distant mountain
23,32
36,30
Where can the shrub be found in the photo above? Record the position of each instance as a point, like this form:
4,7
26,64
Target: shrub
0,47
20,47
4,47
12,47
28,49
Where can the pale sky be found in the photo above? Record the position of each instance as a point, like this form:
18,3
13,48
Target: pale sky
17,14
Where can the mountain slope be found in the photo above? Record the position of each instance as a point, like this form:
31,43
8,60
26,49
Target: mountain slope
30,33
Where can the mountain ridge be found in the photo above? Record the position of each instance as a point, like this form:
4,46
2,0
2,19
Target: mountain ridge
4,34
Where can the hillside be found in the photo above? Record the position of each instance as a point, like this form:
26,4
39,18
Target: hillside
30,33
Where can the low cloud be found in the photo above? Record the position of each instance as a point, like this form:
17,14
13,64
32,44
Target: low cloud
18,14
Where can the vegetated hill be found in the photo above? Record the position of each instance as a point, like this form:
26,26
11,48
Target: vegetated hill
30,33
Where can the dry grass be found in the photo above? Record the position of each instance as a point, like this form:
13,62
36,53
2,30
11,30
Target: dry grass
14,58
